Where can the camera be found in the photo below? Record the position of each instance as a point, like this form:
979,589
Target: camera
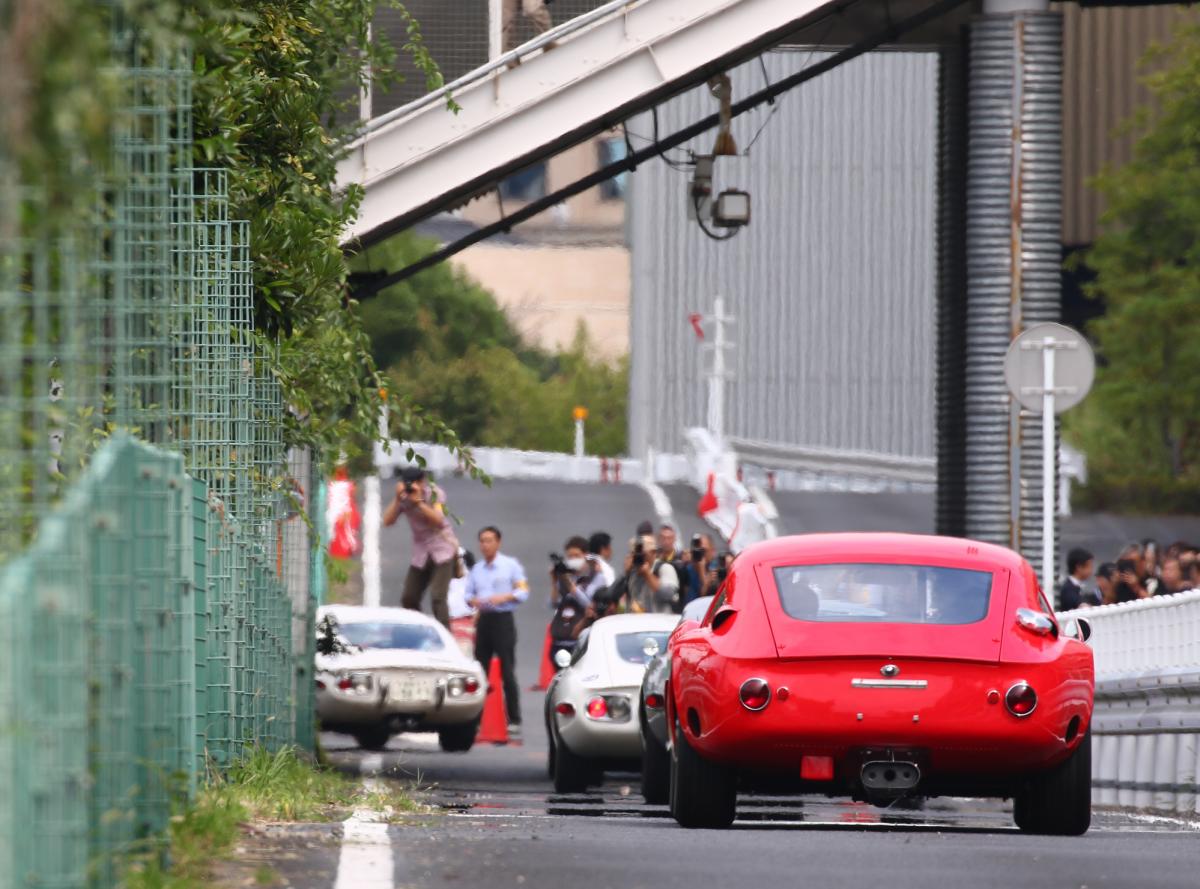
723,565
558,566
409,487
639,555
697,550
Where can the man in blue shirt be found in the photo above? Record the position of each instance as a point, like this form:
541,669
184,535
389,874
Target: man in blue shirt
495,586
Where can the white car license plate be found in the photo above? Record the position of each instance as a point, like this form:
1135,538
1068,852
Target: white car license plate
410,690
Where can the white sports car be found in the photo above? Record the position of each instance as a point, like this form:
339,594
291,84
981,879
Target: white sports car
381,671
591,704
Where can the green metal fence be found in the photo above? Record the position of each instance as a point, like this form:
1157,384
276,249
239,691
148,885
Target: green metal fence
156,575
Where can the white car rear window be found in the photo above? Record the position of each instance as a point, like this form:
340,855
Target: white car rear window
631,647
381,634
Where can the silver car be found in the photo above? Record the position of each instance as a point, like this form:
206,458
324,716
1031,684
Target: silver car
381,671
590,712
652,713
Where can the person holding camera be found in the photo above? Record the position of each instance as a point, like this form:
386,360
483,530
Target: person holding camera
574,579
696,568
652,582
718,570
434,546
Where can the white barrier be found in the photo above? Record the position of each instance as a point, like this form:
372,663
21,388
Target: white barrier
1146,725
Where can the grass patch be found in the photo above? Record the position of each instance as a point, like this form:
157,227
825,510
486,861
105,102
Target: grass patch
263,786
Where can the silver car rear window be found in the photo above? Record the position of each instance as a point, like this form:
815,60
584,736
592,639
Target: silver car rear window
381,634
631,647
880,593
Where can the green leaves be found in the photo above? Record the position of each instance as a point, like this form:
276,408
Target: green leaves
1143,419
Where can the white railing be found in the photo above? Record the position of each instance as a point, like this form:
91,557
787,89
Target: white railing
1146,724
1147,636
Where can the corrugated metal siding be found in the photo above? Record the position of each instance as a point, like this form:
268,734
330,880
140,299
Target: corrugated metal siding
1102,48
834,281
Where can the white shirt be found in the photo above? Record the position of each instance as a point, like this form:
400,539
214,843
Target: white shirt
456,598
606,570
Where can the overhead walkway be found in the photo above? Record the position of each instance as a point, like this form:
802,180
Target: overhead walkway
583,77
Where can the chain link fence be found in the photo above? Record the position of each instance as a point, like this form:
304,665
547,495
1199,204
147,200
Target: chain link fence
156,573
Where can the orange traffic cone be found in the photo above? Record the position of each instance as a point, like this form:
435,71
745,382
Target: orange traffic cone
493,727
547,669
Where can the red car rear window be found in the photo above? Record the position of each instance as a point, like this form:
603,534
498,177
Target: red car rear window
875,593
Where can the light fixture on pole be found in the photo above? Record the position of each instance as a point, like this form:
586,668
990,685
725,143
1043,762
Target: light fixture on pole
581,414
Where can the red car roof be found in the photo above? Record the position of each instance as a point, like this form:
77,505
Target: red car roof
883,546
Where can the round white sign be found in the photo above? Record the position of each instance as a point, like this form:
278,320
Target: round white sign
1074,366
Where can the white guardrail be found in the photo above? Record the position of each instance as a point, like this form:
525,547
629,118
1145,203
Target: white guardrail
1146,725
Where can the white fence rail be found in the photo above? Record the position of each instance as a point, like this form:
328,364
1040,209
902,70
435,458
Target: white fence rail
1146,726
1146,636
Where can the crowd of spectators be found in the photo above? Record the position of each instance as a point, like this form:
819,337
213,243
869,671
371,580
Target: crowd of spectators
655,576
1139,571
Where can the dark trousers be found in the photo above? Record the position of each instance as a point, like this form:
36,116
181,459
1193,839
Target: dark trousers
436,576
496,635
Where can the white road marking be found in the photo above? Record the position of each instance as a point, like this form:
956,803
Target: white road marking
366,860
1183,823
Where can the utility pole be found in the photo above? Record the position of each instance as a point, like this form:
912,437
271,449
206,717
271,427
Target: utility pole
373,518
718,372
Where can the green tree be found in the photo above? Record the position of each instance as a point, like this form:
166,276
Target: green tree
1140,426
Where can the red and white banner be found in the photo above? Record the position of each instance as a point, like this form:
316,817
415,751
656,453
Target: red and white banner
342,520
727,508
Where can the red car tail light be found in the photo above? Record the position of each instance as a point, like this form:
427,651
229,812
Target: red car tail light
470,685
1021,699
565,709
654,701
755,694
597,708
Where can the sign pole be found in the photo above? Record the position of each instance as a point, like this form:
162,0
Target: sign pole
1048,349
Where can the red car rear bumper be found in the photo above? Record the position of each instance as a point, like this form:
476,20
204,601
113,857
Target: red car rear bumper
954,726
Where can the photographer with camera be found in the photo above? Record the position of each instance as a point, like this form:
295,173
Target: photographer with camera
651,582
434,546
574,579
696,568
718,570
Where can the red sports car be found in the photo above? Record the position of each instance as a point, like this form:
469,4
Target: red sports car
880,667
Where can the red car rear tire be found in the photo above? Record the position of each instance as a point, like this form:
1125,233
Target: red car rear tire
702,793
1059,802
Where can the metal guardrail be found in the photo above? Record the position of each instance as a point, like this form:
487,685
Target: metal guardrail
919,470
